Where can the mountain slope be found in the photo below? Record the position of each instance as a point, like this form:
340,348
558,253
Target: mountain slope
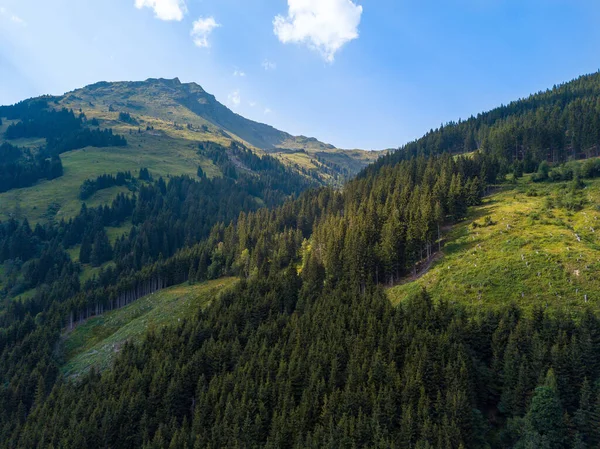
306,350
172,100
164,122
529,244
189,104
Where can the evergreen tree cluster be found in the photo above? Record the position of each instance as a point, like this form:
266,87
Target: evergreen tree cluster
20,167
559,124
91,186
255,172
285,362
62,129
127,118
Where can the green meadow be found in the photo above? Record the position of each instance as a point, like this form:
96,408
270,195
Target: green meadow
529,244
95,342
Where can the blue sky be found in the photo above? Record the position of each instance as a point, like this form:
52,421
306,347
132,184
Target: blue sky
355,73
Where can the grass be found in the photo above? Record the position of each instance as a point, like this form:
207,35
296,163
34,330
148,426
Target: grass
114,232
96,342
163,156
529,255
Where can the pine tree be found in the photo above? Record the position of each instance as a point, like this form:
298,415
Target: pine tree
85,251
585,419
102,251
544,424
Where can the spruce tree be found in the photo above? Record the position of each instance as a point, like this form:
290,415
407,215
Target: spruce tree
85,251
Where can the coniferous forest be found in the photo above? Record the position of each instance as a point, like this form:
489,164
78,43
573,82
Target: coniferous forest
305,350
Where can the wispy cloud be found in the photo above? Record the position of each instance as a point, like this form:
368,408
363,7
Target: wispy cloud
11,16
16,19
234,98
164,9
239,73
267,111
268,65
323,25
201,30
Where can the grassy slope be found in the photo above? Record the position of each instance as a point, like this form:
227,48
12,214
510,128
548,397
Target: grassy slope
95,342
162,155
529,256
166,150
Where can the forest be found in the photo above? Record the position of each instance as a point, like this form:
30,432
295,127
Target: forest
62,130
306,350
20,167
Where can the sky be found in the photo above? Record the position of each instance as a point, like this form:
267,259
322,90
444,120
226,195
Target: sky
369,74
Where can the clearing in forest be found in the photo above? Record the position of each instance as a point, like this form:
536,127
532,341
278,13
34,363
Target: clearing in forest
531,243
95,342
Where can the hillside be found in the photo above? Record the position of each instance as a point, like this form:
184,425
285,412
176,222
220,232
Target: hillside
502,350
558,124
173,101
529,244
95,342
163,121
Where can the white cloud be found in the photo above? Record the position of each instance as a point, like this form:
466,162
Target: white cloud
323,25
234,98
239,73
164,9
12,17
268,65
252,104
267,111
201,31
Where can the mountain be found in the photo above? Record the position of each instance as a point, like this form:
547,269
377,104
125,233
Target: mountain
444,297
189,104
163,123
172,100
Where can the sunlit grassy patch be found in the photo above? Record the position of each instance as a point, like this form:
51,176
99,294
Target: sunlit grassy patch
535,251
95,342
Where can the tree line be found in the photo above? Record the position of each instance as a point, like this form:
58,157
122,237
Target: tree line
63,131
90,186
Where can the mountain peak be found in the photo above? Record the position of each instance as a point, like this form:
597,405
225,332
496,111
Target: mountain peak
190,104
173,82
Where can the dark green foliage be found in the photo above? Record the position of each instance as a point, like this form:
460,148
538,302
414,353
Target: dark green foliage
20,167
101,251
62,129
559,124
89,186
290,376
144,175
127,118
544,425
85,251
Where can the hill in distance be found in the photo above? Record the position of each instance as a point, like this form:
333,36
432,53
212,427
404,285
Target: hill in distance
164,121
190,106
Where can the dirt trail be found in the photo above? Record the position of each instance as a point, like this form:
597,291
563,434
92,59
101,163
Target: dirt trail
422,270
